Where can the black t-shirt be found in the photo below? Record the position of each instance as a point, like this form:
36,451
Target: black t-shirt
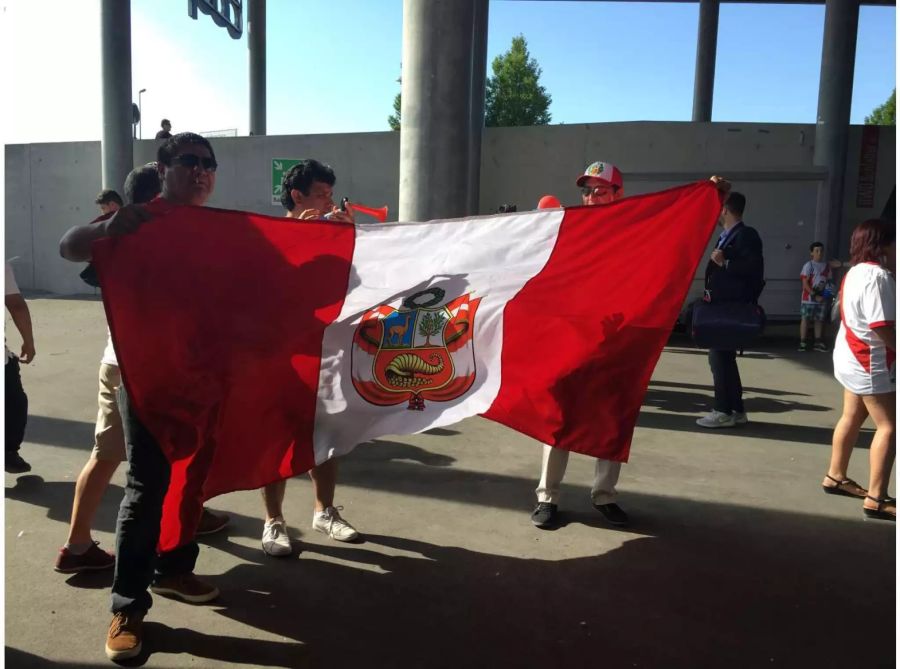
163,134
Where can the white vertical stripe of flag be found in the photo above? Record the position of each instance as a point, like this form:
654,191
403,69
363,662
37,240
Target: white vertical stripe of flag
489,257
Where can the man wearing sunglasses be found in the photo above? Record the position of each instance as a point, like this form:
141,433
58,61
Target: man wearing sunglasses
600,184
187,171
307,193
81,552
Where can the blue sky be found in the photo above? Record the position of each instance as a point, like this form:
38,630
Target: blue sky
333,64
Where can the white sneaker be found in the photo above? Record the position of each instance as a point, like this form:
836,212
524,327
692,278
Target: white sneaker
716,419
275,539
330,522
740,417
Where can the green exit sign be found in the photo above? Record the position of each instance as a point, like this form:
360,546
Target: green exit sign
279,167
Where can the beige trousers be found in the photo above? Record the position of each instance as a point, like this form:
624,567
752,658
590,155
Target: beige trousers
603,490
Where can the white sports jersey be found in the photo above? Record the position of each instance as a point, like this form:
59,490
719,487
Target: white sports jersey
818,273
862,363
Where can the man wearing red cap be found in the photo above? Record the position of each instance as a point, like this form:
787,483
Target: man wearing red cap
601,183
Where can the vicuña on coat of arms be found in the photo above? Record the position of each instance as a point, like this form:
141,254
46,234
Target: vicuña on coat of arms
419,351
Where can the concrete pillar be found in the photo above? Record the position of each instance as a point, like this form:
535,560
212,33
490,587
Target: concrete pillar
116,148
479,72
256,41
833,118
436,108
705,66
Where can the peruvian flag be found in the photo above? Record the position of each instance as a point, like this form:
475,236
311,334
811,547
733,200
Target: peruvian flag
254,348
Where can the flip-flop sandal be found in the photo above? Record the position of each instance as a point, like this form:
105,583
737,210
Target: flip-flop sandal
880,513
847,488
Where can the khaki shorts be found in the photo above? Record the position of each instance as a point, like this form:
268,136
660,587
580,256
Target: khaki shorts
109,439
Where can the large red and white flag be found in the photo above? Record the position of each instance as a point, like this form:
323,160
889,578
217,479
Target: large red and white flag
254,348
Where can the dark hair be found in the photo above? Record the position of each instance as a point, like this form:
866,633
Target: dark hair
164,121
506,209
816,245
142,184
735,203
108,195
169,149
301,176
869,239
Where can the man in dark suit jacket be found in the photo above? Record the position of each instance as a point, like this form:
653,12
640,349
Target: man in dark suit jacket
734,274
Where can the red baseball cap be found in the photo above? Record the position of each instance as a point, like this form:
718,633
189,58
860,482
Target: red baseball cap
604,171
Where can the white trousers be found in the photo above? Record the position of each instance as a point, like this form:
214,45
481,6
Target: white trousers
606,475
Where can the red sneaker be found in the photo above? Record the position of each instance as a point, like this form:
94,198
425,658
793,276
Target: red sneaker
93,559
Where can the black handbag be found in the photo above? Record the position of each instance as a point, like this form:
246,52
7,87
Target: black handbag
89,276
728,326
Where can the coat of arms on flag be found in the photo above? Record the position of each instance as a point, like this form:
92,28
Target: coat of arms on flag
423,350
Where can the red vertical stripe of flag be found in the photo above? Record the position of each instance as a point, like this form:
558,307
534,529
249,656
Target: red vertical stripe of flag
581,339
217,317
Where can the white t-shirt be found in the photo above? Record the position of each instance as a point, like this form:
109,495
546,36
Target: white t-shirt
862,363
109,353
12,288
818,273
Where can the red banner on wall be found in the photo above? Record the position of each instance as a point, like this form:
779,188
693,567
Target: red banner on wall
868,163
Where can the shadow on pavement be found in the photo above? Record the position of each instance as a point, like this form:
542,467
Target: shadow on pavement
17,659
60,432
381,450
695,585
441,432
750,355
703,585
680,401
228,650
800,434
56,497
398,468
708,388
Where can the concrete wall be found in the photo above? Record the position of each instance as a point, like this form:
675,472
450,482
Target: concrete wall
49,188
770,163
366,164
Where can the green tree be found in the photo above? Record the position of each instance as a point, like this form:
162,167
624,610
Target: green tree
430,325
885,114
514,96
394,119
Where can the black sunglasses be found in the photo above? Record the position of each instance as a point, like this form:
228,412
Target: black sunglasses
587,191
190,161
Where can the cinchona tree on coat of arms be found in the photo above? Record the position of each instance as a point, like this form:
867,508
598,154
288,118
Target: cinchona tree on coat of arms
423,350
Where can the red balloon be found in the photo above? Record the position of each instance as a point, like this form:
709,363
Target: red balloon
549,202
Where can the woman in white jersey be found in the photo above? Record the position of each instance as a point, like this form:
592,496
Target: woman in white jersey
865,364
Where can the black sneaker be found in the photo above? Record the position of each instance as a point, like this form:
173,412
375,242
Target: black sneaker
544,515
15,464
803,346
820,346
210,522
613,514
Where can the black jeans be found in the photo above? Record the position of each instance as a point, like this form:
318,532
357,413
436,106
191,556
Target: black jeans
137,529
16,405
727,381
